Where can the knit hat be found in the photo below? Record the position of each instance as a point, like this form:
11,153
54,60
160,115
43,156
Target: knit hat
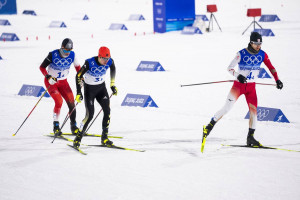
104,52
255,37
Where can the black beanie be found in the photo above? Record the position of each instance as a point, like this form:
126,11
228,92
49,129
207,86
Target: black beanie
255,37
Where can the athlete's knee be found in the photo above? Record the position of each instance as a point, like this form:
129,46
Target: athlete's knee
71,105
252,109
106,110
58,103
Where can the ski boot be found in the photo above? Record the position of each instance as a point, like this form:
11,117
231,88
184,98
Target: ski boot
251,141
77,139
104,139
74,128
207,129
56,129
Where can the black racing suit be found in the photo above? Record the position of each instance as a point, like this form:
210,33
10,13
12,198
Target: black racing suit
92,92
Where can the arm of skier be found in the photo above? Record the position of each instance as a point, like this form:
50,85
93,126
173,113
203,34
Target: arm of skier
45,64
241,78
271,67
112,78
232,65
76,64
273,71
78,80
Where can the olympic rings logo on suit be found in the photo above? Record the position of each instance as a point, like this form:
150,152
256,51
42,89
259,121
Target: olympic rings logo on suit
29,90
262,113
254,60
62,62
2,3
96,71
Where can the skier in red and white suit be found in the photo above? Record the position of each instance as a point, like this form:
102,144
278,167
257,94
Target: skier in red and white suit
58,63
249,61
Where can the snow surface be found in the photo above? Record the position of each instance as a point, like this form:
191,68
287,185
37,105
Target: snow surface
32,168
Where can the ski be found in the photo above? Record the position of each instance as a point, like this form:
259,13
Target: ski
91,135
203,143
60,137
203,139
115,147
65,138
77,149
259,147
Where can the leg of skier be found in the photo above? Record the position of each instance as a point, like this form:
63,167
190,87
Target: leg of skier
56,96
232,97
251,99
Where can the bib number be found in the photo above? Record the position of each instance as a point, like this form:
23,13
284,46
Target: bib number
250,76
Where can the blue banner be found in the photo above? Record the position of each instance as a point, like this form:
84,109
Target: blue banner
32,90
4,22
269,114
172,15
57,24
80,16
29,12
150,66
9,37
191,30
264,32
136,17
203,17
263,73
8,7
269,18
85,17
118,27
138,100
159,15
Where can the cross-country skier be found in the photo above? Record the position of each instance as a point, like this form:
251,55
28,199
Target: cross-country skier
58,63
93,71
249,61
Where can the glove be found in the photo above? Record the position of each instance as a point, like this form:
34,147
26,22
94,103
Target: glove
51,80
79,97
113,87
241,78
114,90
81,83
279,84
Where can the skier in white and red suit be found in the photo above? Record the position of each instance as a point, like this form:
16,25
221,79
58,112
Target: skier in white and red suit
248,61
55,68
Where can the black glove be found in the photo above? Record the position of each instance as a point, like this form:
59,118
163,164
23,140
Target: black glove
79,97
51,80
114,90
242,79
279,84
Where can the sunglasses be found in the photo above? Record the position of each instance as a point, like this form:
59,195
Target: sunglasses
106,59
67,50
256,43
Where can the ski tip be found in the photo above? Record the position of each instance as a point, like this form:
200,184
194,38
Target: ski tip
14,134
202,149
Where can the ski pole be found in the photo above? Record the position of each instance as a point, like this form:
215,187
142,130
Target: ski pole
266,84
31,110
206,83
222,82
66,119
68,116
96,117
